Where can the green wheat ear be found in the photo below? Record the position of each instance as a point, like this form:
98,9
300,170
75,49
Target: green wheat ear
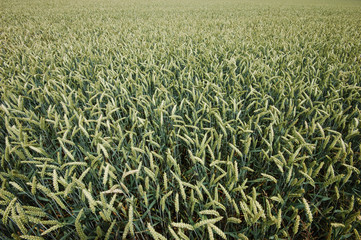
29,237
308,210
78,226
107,235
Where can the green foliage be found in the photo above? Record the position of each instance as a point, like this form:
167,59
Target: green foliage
180,119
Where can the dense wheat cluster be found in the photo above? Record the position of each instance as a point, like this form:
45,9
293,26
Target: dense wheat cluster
164,119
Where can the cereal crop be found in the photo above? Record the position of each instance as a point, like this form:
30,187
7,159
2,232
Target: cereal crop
165,119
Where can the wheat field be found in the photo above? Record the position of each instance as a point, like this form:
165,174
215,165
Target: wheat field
164,119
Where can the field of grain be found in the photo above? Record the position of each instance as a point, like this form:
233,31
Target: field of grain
164,119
